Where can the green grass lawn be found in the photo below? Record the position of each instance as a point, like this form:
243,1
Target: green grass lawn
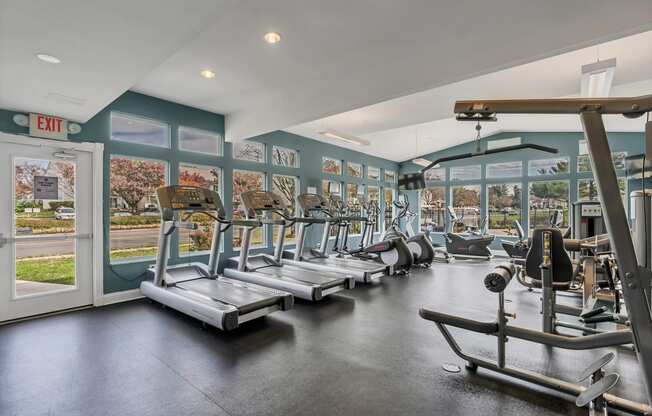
57,270
62,270
132,253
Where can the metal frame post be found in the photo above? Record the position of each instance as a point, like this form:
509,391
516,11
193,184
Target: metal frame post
636,279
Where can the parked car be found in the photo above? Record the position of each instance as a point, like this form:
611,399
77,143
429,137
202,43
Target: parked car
151,212
122,214
63,213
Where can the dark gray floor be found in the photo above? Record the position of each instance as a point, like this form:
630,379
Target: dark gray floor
365,352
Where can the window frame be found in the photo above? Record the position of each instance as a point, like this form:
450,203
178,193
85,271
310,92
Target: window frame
547,174
359,165
338,162
490,177
297,182
297,157
487,211
377,178
168,130
263,228
220,141
240,142
465,184
220,191
445,217
568,195
166,181
457,180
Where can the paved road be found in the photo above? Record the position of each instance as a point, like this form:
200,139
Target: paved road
119,239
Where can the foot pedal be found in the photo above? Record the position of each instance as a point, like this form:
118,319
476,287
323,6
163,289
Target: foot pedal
596,366
594,312
597,389
599,318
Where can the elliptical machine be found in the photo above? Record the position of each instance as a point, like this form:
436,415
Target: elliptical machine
474,245
393,252
422,249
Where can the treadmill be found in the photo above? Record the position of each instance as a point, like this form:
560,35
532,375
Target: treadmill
195,288
318,259
271,271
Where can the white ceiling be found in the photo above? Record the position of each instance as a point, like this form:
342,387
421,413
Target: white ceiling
410,126
335,56
338,55
105,48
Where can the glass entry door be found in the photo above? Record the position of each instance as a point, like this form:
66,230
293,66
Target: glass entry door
46,224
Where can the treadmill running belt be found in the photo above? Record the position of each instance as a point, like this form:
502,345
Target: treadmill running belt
302,275
246,300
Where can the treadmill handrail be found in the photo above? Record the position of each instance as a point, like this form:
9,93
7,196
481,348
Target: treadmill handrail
246,223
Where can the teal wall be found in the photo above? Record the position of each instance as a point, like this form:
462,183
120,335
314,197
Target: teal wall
123,276
566,143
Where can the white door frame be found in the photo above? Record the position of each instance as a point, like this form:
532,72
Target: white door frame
97,157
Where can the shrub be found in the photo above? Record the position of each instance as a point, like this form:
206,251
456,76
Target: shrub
134,220
201,240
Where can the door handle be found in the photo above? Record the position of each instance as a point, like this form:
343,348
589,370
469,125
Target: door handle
3,240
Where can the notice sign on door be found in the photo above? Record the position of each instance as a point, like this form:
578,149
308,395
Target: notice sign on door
46,187
49,127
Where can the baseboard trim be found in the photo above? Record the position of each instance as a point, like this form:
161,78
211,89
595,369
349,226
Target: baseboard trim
119,297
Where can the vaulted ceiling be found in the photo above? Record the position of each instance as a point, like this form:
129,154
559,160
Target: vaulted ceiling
334,56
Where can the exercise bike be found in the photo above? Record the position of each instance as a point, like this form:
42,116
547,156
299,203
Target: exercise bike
474,245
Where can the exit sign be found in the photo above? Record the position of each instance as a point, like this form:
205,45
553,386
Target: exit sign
48,127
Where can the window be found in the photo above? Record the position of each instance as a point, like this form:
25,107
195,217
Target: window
198,241
288,188
249,151
466,173
504,170
496,144
373,195
282,156
373,173
245,180
352,191
329,188
587,190
584,162
545,198
556,166
354,169
331,166
135,217
131,129
432,209
436,174
390,176
199,141
388,197
504,207
466,203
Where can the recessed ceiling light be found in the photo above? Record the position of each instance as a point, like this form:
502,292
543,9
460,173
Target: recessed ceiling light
272,37
48,58
208,74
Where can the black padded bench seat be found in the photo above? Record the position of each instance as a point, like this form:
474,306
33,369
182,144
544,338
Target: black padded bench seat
429,313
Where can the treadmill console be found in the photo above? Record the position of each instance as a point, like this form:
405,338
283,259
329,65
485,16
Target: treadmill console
258,202
313,202
189,198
